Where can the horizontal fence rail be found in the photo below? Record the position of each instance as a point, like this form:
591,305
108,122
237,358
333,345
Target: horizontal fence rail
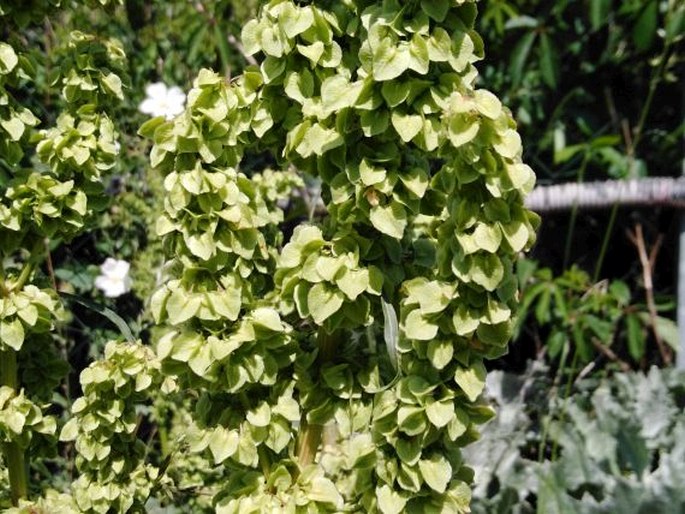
657,191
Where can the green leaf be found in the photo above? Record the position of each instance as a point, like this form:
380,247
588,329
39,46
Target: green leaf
70,430
636,337
487,271
406,125
419,55
487,237
108,313
374,122
497,335
112,83
549,61
389,219
250,36
323,302
181,306
12,334
440,413
353,283
487,104
260,416
395,92
439,45
667,329
370,175
318,140
323,490
417,327
267,318
14,127
644,31
519,56
440,353
272,68
8,58
338,93
436,472
391,332
389,501
599,12
295,20
223,443
465,323
462,130
390,61
471,380
299,86
436,9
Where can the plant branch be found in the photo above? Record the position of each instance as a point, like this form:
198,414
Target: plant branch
647,260
14,455
611,355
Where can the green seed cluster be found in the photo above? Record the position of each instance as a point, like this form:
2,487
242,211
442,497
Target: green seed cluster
423,186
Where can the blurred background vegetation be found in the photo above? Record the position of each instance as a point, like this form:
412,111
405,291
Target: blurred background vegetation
596,87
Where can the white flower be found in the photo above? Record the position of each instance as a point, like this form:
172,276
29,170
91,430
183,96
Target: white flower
162,100
113,279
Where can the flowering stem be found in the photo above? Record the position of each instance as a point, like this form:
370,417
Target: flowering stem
310,435
14,455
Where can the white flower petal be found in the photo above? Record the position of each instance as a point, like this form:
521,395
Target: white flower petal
156,90
148,106
113,279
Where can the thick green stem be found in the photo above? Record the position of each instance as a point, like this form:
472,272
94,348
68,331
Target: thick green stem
311,434
14,455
